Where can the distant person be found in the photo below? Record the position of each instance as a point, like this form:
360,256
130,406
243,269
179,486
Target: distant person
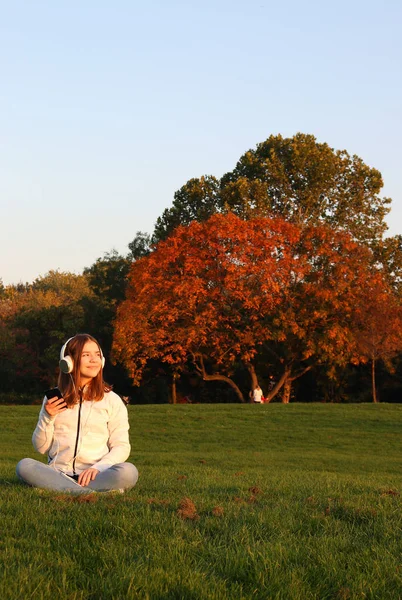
271,383
257,396
82,427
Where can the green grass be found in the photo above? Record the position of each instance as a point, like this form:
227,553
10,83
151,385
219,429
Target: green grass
292,502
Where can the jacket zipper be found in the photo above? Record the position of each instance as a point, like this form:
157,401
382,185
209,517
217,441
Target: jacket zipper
78,433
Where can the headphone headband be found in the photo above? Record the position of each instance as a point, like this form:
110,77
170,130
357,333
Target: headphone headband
66,363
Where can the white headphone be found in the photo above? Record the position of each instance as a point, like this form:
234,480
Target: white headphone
66,363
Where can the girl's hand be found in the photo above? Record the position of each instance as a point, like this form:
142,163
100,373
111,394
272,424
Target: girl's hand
54,406
87,476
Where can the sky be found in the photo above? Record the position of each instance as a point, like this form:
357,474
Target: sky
108,108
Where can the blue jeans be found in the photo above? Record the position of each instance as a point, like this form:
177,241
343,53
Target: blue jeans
122,477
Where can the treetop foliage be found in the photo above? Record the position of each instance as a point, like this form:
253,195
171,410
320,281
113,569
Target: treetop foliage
197,200
107,277
294,178
140,246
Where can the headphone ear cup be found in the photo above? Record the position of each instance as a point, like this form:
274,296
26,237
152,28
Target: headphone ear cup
103,361
66,364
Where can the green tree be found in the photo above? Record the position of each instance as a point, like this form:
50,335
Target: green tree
197,200
297,179
388,258
107,277
305,181
107,280
140,246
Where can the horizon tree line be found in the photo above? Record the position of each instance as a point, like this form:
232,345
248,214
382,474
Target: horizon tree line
280,271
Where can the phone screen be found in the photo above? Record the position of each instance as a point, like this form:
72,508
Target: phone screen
53,392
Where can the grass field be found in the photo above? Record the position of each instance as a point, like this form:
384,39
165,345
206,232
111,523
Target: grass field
233,502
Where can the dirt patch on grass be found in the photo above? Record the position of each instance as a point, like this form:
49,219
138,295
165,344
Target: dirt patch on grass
255,490
78,499
218,511
390,493
239,500
157,501
187,510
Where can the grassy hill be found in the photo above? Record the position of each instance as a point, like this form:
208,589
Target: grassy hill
233,502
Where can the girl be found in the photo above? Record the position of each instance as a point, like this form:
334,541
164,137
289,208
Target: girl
84,433
257,395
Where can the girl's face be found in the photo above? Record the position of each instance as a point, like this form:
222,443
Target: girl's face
90,363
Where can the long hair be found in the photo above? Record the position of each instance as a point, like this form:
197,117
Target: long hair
70,383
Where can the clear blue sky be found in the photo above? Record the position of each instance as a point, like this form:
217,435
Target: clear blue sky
107,108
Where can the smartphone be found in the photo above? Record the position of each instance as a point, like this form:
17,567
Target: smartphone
53,392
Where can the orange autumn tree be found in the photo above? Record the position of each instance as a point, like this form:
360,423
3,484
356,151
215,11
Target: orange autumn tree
231,290
378,324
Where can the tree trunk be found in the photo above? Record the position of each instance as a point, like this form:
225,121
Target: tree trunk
287,388
278,386
288,384
373,384
174,394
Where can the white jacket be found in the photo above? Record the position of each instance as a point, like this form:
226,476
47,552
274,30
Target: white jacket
102,437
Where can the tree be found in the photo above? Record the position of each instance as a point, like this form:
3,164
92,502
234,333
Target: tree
36,319
378,325
295,178
107,280
18,365
107,277
232,291
197,200
140,246
388,259
307,182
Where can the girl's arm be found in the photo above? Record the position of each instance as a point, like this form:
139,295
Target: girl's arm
43,435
